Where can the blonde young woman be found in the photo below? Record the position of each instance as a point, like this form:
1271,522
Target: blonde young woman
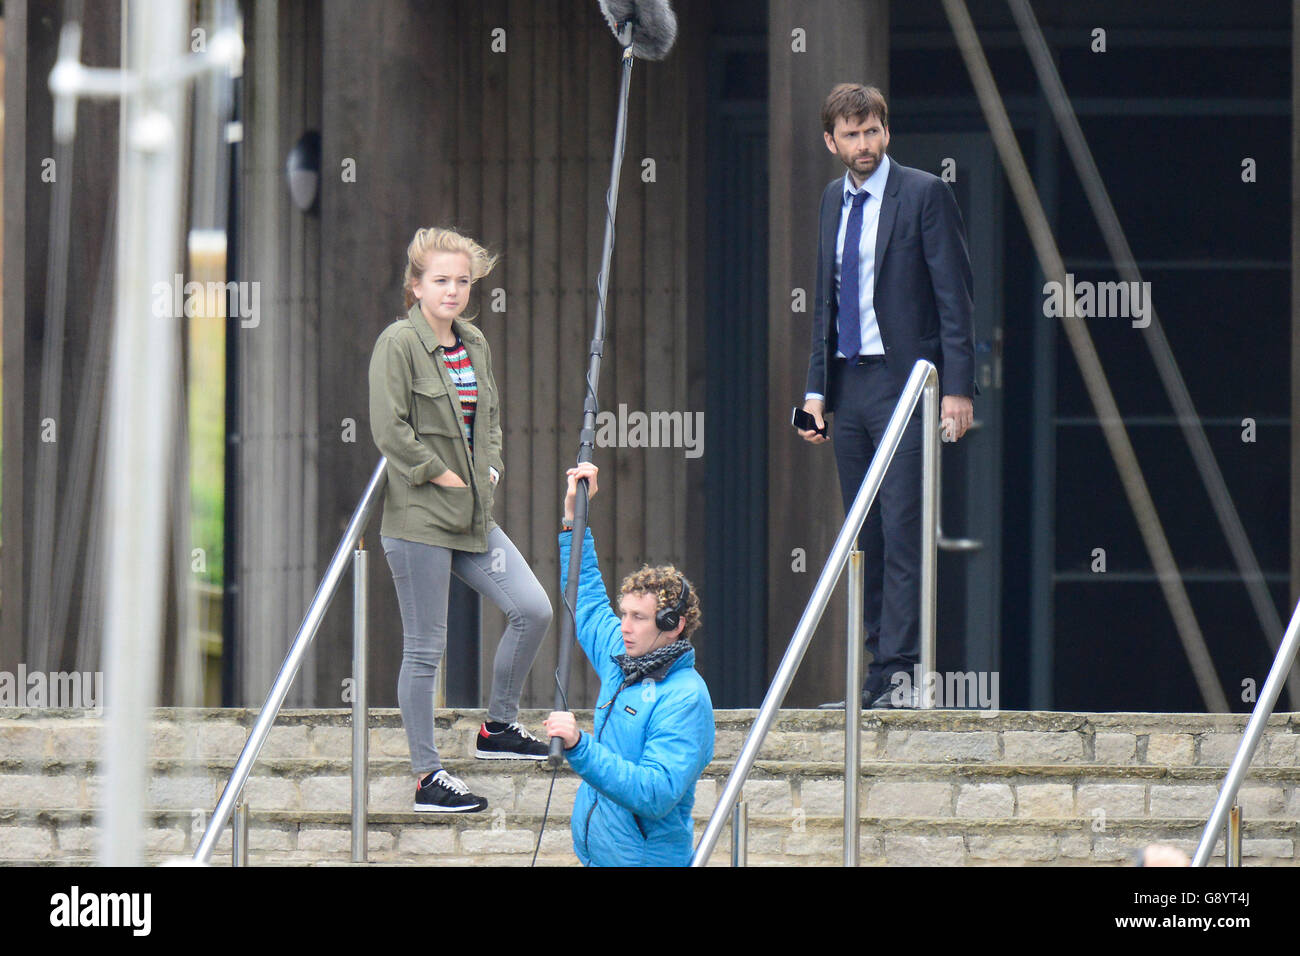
435,415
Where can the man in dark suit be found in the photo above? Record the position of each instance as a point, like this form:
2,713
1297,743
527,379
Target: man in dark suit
909,298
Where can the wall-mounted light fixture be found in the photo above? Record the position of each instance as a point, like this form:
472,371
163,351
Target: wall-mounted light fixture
302,170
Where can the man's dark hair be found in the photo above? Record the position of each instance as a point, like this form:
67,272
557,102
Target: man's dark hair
854,101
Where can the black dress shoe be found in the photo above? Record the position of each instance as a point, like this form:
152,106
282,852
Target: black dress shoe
869,695
897,698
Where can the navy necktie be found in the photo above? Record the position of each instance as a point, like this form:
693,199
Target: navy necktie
850,265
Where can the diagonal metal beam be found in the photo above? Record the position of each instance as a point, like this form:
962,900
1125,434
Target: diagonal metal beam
1085,353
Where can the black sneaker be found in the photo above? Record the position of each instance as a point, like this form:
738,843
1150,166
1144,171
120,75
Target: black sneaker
513,743
443,793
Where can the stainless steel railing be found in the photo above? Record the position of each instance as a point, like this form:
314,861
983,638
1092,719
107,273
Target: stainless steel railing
311,621
360,707
1282,662
922,383
853,709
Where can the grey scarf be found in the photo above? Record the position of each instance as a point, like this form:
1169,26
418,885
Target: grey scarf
637,669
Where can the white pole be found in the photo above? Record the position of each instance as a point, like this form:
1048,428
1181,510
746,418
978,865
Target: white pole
141,409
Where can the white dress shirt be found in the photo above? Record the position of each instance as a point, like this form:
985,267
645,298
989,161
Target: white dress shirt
875,189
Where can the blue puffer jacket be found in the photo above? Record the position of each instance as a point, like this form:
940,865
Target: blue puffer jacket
650,745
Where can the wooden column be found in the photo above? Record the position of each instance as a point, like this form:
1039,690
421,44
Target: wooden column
281,530
31,45
843,41
12,589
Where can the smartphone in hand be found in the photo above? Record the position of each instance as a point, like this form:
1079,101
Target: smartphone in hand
805,422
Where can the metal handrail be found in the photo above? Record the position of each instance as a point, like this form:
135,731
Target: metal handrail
924,381
311,621
853,708
1286,654
360,705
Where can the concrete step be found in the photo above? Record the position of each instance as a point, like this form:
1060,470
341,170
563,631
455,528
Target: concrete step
951,736
318,837
774,787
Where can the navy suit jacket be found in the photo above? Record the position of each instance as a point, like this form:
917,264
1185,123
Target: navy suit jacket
923,286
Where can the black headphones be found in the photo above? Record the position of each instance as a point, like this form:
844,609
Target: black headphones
669,617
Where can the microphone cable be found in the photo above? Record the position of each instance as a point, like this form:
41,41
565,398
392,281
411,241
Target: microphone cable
598,347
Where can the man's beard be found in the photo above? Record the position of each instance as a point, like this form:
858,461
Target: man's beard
858,165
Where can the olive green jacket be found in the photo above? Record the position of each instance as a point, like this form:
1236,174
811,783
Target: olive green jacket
415,418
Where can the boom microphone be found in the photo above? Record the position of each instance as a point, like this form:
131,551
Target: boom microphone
645,29
654,25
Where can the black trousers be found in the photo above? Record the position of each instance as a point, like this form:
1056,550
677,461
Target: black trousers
891,537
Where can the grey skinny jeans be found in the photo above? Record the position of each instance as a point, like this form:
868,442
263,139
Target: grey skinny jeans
422,575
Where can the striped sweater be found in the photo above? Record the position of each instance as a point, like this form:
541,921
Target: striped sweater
462,374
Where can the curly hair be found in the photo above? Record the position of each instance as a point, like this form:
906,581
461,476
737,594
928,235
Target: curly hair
665,583
432,240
